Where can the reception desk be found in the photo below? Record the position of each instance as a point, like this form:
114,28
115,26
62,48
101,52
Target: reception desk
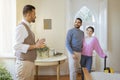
51,61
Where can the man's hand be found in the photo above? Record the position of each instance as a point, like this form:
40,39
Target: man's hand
74,56
105,56
40,43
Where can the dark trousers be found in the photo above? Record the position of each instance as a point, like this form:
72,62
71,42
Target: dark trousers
86,61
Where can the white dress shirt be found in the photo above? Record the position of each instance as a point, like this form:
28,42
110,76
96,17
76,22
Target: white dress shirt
20,35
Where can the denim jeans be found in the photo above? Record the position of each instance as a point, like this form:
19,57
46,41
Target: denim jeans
86,61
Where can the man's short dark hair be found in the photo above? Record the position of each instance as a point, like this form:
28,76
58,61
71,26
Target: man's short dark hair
27,8
79,19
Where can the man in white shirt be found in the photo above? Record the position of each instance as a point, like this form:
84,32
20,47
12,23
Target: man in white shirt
25,46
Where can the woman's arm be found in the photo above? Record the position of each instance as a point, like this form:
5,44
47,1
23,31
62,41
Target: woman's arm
98,48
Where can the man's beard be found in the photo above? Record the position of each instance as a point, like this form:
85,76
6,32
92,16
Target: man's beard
77,27
33,21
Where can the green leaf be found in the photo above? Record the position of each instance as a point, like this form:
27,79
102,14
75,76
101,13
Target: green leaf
4,74
43,49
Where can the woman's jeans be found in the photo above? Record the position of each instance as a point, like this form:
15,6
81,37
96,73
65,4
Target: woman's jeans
86,61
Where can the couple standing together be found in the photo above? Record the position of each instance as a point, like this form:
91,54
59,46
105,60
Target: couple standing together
79,45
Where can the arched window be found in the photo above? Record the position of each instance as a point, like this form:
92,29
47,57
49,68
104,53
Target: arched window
87,16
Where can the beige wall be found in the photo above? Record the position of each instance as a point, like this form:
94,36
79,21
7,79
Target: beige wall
19,7
114,33
55,37
20,4
56,11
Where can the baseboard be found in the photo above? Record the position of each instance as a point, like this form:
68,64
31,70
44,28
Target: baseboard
50,75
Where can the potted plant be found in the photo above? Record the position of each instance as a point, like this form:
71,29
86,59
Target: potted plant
43,52
4,74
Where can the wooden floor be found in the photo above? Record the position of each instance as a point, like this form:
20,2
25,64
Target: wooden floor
66,77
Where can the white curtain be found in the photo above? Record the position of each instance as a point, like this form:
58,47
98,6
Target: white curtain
7,24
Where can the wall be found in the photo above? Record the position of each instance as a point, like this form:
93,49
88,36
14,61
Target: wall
19,8
55,38
114,33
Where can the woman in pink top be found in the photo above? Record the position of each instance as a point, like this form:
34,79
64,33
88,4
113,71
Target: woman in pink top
90,43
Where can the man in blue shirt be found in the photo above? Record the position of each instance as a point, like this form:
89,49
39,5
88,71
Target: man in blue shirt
74,41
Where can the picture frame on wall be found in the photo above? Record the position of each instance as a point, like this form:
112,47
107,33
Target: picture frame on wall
47,24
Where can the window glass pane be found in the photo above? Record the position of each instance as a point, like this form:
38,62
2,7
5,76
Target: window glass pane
86,15
7,24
